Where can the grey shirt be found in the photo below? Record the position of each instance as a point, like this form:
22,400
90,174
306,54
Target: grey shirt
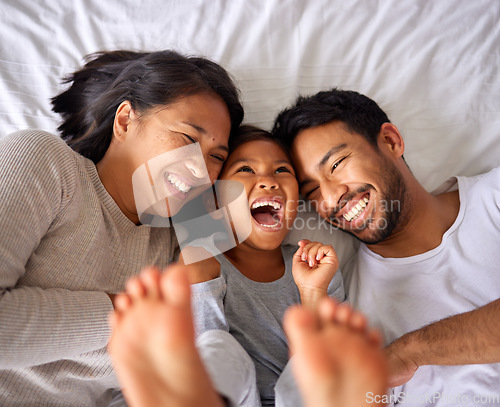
64,244
253,313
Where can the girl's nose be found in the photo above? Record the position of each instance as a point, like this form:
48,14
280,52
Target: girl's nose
269,183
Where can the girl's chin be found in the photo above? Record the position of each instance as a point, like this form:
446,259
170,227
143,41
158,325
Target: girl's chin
267,240
260,245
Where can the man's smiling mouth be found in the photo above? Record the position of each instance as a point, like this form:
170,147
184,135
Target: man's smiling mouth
356,210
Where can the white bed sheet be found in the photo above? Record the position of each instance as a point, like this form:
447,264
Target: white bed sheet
433,65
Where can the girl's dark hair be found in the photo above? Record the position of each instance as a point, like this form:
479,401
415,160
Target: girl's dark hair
359,113
248,132
145,79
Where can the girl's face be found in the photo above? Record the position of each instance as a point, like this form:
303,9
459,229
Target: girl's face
269,180
169,155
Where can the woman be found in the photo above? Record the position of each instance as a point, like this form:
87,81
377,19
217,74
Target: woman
71,230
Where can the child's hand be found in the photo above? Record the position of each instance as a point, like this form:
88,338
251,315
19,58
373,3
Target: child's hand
314,265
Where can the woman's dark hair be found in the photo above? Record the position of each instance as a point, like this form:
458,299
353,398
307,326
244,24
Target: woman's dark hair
359,113
248,132
146,80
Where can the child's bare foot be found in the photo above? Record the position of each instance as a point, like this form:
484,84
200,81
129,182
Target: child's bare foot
338,361
153,343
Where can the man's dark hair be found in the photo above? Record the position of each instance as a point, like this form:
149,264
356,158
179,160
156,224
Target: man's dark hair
359,113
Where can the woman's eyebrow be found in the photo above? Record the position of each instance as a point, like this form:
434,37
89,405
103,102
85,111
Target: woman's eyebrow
202,130
196,127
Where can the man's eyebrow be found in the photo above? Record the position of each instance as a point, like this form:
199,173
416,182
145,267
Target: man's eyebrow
329,153
323,161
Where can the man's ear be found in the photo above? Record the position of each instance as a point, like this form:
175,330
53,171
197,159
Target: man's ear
123,118
390,140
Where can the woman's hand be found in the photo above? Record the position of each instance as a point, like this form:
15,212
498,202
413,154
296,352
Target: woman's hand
314,265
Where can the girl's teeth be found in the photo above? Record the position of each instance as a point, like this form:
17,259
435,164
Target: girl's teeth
270,226
275,205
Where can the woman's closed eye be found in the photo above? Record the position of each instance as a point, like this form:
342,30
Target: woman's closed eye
191,139
218,158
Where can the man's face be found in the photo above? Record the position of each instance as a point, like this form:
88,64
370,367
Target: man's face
351,183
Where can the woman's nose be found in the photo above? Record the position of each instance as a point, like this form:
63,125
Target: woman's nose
197,167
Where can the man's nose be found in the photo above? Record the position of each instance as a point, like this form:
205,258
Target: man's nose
332,195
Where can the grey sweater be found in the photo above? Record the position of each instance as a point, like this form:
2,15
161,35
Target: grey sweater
64,244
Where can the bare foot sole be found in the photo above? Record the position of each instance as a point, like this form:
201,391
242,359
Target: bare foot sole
153,343
338,361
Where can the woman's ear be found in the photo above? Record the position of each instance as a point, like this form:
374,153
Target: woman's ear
390,140
123,118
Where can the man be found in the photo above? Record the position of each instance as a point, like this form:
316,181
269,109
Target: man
423,257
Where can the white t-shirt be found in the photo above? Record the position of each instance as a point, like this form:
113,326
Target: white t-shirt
400,295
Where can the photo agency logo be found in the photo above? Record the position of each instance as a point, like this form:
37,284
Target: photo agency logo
389,209
420,399
174,190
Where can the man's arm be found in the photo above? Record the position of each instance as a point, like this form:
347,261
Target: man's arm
463,339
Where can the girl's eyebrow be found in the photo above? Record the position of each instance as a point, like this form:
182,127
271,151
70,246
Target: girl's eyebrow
242,160
249,160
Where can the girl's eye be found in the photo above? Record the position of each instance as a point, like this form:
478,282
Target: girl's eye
281,169
245,168
336,164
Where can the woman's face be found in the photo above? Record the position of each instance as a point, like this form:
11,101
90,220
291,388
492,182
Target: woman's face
170,155
270,184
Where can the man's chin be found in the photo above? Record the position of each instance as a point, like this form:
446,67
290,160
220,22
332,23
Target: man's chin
366,235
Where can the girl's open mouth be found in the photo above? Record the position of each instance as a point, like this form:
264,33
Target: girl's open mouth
268,212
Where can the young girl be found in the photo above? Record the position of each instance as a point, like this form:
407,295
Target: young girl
71,230
246,290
